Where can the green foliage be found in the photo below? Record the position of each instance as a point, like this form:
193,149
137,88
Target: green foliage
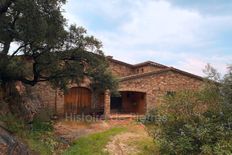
12,123
40,126
49,50
43,142
188,129
145,146
93,144
38,146
196,122
39,137
227,86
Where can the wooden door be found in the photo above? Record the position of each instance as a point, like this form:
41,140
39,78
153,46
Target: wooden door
77,100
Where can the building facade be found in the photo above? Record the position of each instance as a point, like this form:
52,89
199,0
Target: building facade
141,86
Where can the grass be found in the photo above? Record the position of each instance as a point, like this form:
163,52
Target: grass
39,137
38,146
93,144
145,146
43,143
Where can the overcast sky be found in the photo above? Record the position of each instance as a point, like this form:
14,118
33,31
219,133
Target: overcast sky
185,34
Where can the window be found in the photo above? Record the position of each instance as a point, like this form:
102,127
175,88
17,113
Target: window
171,93
142,70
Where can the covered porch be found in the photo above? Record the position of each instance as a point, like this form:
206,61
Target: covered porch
81,100
128,102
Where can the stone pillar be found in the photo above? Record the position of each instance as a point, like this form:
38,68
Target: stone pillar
107,104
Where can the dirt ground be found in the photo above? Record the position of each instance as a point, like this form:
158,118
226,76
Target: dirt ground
121,144
70,131
127,143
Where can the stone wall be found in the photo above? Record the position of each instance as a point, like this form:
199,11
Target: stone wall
120,70
146,68
53,99
49,97
157,85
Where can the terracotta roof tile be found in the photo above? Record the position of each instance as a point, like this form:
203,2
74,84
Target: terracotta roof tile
160,72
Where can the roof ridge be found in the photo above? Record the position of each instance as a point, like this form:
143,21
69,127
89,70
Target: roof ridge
159,72
118,61
151,63
145,74
166,68
138,64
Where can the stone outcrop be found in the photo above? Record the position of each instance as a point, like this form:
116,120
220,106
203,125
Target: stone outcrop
10,145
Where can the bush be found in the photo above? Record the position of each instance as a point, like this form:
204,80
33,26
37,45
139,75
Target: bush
40,137
195,123
13,123
41,126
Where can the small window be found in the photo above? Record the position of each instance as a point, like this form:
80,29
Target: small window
142,70
170,93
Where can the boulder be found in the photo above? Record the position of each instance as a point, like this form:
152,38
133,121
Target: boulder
10,145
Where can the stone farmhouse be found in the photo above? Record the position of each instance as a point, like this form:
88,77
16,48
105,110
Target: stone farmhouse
141,86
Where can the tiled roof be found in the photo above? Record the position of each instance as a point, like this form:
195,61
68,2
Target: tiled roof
164,70
150,63
137,65
119,62
135,76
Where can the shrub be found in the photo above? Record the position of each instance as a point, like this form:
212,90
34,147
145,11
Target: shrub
13,123
195,123
41,126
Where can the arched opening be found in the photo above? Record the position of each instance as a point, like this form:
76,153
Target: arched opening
77,100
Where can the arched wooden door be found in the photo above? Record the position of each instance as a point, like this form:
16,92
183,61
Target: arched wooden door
77,100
